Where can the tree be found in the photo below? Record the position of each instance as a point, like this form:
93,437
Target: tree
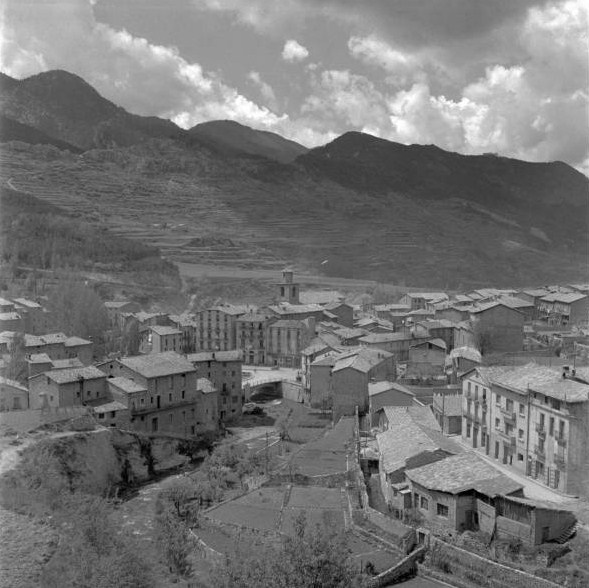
315,556
194,446
174,540
178,494
77,310
16,366
483,338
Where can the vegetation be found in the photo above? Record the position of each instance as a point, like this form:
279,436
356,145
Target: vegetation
316,556
38,235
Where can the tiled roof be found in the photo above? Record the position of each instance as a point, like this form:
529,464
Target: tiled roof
231,355
13,384
362,360
315,346
379,387
373,338
9,316
205,386
27,303
421,415
437,324
126,385
484,306
49,339
39,358
71,362
409,437
75,341
349,333
467,353
564,297
286,324
286,308
158,364
463,472
252,318
69,375
233,309
162,331
514,302
439,343
546,380
109,407
389,307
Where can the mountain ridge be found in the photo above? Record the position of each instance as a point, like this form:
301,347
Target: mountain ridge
376,209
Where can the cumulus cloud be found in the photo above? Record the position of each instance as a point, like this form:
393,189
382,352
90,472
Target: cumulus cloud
141,76
293,51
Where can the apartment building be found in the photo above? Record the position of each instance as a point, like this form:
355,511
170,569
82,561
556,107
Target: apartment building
533,419
223,370
216,327
250,337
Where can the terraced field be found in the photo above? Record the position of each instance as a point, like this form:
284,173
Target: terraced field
240,215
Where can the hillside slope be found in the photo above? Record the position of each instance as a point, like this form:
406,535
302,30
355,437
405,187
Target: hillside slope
233,138
359,207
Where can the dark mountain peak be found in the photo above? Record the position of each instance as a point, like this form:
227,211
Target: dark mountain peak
6,82
231,138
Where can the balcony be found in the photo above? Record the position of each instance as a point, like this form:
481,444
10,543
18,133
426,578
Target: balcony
506,438
560,440
540,452
540,430
508,416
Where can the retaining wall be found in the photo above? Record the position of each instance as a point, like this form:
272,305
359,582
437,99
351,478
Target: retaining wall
480,571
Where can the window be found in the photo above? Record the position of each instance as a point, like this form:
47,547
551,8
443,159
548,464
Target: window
522,410
520,457
170,397
142,401
497,423
112,414
424,503
100,415
415,500
469,387
520,434
183,394
171,418
442,510
551,426
509,404
468,431
561,429
542,419
498,399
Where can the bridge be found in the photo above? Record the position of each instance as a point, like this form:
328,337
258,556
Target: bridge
267,383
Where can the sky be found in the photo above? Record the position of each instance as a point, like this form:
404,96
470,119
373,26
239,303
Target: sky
473,76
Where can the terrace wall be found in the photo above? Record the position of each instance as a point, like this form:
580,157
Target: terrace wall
472,569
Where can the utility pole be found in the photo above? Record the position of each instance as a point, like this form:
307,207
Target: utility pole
266,452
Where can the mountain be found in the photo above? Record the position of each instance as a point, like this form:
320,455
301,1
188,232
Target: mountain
10,130
232,138
66,107
358,207
550,196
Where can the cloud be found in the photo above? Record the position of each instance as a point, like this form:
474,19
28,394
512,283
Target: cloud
294,51
143,77
264,88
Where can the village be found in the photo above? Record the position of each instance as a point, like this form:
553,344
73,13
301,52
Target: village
438,428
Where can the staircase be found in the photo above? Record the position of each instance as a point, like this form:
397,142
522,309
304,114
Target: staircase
568,532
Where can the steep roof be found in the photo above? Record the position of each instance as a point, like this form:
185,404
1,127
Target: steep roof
68,375
362,360
13,384
39,358
463,472
158,364
421,415
383,386
75,341
484,306
162,331
439,343
231,355
125,385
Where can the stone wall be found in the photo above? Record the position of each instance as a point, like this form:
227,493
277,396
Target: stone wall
457,563
406,568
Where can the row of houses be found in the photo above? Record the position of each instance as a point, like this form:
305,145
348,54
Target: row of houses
431,480
22,314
